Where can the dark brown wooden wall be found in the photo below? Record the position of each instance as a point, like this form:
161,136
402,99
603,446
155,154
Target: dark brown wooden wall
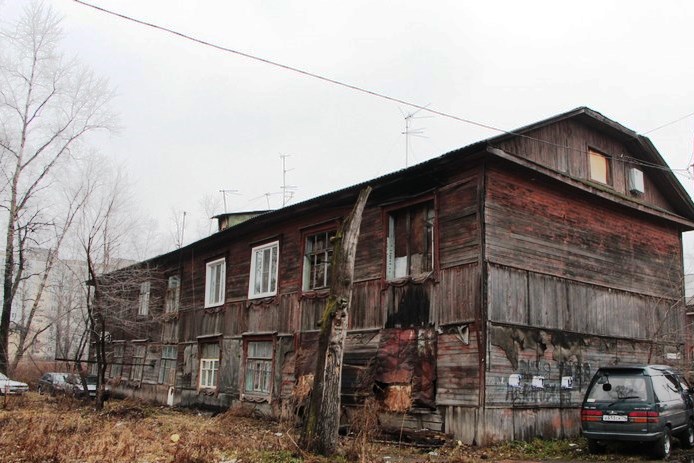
552,230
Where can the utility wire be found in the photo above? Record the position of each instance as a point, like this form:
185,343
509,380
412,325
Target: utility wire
669,123
361,89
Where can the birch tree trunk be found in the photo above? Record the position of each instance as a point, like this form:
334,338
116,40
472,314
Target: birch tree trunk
323,420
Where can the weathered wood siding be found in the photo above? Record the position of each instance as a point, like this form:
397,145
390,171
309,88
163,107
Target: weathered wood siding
551,230
458,366
566,150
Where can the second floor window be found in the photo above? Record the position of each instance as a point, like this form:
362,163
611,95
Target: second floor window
410,243
317,260
143,307
263,281
215,282
173,293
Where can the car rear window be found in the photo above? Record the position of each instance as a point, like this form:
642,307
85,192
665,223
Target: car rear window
615,387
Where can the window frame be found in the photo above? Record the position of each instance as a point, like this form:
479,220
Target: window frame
138,368
308,259
272,273
143,299
258,394
172,299
212,376
209,266
390,244
118,353
167,365
594,153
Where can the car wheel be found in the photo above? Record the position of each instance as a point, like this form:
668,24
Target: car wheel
663,445
595,447
687,437
40,389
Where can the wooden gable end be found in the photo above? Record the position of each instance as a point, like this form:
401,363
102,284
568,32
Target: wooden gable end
565,146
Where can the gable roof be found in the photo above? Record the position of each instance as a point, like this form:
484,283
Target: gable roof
642,147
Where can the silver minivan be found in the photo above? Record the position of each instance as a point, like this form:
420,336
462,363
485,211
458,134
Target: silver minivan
647,403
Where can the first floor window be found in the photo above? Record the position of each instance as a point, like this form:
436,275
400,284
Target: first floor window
317,260
209,365
167,367
117,361
410,244
138,362
263,281
215,282
259,367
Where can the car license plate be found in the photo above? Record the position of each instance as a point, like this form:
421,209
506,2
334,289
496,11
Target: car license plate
620,418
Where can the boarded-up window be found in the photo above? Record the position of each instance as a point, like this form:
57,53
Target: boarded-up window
317,259
167,366
410,246
209,365
143,307
138,362
258,368
173,293
599,167
117,361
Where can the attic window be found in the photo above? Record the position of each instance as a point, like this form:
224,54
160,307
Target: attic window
599,167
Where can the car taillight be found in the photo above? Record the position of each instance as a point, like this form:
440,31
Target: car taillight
644,417
591,415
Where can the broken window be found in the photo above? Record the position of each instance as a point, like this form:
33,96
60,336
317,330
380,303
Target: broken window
143,307
173,293
215,282
599,167
410,243
209,365
167,366
317,259
263,281
258,368
138,362
117,361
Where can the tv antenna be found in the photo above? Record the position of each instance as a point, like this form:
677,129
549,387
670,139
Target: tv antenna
287,190
412,132
224,197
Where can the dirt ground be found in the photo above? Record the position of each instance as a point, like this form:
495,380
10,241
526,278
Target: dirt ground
42,429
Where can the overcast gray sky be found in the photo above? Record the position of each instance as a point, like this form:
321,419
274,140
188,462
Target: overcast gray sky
196,120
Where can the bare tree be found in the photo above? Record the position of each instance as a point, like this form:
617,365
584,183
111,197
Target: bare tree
323,418
48,105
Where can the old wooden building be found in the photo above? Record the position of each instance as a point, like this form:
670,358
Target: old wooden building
490,284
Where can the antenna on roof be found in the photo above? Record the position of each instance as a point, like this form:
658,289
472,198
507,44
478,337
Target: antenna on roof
224,196
409,131
287,190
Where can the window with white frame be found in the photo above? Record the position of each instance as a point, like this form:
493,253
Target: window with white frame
143,307
117,361
173,294
410,243
317,260
263,281
139,353
258,367
209,365
167,366
215,282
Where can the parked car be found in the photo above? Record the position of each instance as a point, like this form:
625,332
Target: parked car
77,388
53,382
648,403
9,387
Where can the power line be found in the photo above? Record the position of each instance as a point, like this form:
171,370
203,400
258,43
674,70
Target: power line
357,88
669,123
